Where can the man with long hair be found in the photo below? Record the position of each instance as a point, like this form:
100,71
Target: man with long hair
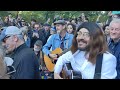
89,42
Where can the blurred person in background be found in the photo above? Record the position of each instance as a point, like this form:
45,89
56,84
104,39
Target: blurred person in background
27,39
71,28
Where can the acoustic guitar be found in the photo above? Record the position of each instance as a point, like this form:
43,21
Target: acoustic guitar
49,62
69,73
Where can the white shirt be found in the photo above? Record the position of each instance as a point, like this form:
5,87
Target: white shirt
87,69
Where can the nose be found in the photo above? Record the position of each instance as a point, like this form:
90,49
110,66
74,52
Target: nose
113,31
81,36
3,44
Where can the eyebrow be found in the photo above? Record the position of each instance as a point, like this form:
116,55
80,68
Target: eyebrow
82,32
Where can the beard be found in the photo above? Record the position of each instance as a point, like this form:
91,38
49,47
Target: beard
83,48
58,31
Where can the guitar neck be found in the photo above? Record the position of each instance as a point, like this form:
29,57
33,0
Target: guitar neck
66,50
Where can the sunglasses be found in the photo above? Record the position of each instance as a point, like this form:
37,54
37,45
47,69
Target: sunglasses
6,38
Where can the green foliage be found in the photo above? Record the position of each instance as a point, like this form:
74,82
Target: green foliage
3,14
42,16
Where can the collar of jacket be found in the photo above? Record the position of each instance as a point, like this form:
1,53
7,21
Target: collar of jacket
58,36
17,50
115,43
20,47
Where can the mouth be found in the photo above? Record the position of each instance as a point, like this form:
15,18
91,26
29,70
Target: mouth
82,42
113,35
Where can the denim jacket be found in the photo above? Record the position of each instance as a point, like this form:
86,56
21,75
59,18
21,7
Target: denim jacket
55,42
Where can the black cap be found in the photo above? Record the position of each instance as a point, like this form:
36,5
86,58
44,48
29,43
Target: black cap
38,43
60,22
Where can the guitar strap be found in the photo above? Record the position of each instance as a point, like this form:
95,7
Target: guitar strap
67,43
98,66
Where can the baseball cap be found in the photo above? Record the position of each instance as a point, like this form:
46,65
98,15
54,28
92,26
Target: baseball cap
3,28
2,34
11,30
60,22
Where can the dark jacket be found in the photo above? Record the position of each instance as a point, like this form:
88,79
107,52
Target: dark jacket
25,63
41,37
46,34
115,50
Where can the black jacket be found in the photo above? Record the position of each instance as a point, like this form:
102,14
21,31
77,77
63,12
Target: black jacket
25,63
41,37
46,34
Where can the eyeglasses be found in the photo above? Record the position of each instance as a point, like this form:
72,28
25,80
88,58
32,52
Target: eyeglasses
85,34
6,37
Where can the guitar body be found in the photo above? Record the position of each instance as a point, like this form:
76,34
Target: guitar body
69,73
48,62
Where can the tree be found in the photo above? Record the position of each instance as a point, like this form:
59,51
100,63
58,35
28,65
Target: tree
42,16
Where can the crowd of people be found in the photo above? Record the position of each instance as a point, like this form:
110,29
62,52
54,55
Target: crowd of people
23,47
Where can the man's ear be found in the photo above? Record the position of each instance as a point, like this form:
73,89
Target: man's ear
15,38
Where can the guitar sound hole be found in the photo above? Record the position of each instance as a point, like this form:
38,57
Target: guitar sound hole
55,61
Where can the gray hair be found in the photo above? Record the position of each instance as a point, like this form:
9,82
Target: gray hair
24,30
20,37
115,21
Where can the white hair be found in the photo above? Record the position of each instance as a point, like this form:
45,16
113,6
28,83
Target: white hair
114,21
24,29
20,37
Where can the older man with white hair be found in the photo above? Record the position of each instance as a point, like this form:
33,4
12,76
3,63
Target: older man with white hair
27,39
114,43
